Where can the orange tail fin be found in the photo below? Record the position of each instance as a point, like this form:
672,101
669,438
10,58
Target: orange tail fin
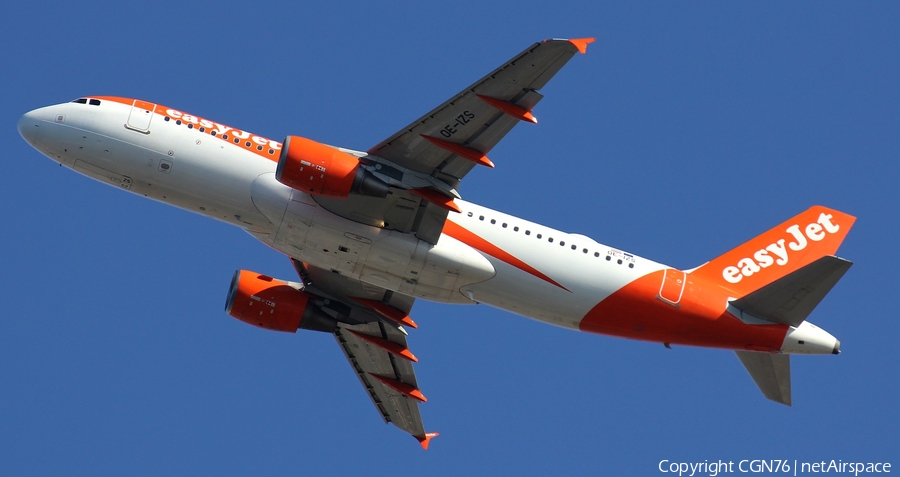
795,243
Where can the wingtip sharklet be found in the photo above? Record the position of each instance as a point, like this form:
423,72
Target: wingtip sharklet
424,441
582,43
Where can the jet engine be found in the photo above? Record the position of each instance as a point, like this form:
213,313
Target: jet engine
322,170
274,304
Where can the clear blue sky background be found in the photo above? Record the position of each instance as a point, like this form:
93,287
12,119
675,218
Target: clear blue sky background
687,129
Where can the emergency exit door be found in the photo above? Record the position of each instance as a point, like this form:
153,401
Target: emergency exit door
672,287
140,116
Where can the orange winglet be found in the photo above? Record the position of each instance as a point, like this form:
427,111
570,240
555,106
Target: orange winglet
473,155
582,43
387,311
386,345
423,441
437,199
521,114
401,387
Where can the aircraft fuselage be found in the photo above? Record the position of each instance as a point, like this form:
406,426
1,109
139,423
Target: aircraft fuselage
483,256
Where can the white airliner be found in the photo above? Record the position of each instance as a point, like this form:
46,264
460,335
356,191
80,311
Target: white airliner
370,231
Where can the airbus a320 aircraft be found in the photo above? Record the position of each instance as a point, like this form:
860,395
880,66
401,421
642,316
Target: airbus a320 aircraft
370,231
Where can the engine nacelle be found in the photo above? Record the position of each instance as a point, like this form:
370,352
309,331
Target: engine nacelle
322,170
273,304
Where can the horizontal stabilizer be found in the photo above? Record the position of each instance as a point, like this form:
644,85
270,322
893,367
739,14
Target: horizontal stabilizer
791,298
771,372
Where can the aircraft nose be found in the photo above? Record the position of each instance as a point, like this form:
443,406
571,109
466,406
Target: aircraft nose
30,127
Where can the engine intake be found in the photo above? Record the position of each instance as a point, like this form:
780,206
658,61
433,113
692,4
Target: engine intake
274,304
322,170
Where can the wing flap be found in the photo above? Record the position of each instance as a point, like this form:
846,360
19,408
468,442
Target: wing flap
770,372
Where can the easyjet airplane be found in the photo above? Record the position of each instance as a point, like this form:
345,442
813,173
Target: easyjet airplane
371,231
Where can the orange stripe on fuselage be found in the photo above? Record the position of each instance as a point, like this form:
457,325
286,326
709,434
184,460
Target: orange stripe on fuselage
700,319
243,136
471,239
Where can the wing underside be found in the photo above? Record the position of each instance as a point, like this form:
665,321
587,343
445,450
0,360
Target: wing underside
374,344
473,118
369,360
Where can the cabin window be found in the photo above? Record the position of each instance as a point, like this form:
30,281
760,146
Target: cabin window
504,225
190,126
259,148
527,232
166,118
550,239
596,254
515,229
469,214
247,144
538,235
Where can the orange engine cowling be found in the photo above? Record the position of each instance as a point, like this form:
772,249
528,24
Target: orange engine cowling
273,304
325,171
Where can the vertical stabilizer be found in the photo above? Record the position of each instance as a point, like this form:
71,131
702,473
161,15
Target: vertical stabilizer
801,240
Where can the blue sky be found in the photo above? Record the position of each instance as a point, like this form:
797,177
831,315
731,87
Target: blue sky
687,129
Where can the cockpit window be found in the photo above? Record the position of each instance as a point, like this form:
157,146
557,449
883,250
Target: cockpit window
80,101
94,102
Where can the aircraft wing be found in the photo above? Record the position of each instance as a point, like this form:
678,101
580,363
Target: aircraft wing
437,150
374,345
479,116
